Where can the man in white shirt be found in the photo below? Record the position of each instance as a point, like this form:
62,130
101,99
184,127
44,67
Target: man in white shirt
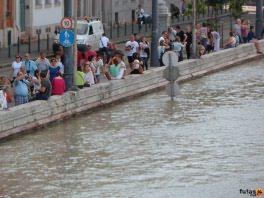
103,42
103,46
163,36
132,47
140,16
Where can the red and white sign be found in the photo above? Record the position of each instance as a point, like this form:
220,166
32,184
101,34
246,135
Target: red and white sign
66,23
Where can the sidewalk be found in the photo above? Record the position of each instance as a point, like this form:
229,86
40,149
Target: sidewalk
116,34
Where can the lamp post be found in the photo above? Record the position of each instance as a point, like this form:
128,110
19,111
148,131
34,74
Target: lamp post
154,36
259,18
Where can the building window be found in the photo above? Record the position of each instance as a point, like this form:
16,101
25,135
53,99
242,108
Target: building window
38,3
48,3
57,2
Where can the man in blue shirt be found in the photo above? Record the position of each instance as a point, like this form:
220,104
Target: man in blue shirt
30,65
21,89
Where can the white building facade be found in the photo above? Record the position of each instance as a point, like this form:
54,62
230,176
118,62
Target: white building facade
38,14
24,17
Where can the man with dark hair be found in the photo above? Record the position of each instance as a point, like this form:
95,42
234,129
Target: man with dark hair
131,47
103,46
180,33
42,62
45,89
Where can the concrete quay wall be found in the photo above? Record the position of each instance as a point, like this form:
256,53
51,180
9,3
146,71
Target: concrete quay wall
38,113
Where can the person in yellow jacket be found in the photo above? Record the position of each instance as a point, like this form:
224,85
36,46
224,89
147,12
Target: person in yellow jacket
80,77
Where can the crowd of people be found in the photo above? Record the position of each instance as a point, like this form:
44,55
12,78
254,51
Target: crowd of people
175,39
207,38
38,80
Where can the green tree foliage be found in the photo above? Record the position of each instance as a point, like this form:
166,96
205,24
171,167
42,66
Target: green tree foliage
235,6
200,7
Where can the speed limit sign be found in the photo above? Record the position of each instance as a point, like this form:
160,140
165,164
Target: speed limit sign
66,23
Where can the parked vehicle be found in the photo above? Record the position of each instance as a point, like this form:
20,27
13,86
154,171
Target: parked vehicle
89,32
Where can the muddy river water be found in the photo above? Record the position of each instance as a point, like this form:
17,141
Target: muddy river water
207,143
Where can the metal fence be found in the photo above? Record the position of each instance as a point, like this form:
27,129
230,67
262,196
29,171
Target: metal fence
116,33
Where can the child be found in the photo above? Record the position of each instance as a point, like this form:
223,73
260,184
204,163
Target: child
4,86
251,34
202,49
136,65
178,47
3,99
88,75
98,64
137,68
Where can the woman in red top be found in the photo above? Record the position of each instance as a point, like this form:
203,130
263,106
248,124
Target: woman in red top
58,85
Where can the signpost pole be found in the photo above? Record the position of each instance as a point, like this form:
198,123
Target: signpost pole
171,73
259,18
68,53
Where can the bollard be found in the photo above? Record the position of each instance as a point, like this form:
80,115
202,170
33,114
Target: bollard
222,35
111,31
38,42
48,42
18,45
29,44
9,42
125,28
117,30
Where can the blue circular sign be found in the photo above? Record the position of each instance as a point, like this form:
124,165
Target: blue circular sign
66,38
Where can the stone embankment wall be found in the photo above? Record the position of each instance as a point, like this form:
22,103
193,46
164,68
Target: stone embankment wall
39,113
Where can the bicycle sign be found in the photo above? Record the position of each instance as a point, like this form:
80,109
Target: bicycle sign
66,38
66,23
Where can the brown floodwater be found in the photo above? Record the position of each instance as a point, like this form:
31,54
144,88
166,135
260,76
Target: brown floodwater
207,143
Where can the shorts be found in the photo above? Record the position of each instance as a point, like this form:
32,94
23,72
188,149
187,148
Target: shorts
130,59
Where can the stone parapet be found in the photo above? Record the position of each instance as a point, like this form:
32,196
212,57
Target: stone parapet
38,113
